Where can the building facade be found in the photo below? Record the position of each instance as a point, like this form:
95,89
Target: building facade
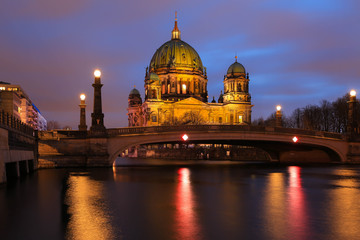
176,90
16,102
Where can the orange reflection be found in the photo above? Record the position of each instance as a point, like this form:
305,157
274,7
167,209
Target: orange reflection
274,205
298,222
344,209
89,218
186,223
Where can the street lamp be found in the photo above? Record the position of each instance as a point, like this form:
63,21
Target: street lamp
82,125
278,116
352,93
352,126
97,73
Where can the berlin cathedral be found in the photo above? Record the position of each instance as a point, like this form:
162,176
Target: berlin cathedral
176,90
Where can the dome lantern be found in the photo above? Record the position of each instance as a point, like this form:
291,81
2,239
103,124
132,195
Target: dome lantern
175,34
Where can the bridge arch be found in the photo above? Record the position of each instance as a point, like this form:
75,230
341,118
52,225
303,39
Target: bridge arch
277,144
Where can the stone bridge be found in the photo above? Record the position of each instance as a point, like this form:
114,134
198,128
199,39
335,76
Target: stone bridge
83,148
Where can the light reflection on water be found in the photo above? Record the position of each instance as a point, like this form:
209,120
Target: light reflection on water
275,214
297,211
87,208
214,202
344,203
187,226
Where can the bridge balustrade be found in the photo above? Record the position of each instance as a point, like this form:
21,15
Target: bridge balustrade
112,132
237,128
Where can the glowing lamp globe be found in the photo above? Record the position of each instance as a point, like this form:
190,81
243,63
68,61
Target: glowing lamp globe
185,137
82,97
278,107
97,73
352,93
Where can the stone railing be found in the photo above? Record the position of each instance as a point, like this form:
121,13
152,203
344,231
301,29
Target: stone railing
113,132
237,128
10,122
57,134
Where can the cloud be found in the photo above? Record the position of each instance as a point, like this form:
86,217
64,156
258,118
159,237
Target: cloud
296,52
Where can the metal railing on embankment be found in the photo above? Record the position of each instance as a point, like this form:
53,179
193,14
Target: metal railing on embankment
8,121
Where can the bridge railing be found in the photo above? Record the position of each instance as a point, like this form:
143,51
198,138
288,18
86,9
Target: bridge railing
237,128
111,132
57,134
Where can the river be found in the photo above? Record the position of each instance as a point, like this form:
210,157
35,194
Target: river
205,201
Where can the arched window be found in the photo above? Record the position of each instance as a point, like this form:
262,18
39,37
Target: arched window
183,88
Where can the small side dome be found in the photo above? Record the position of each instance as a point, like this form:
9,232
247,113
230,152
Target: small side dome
236,68
154,76
134,98
134,92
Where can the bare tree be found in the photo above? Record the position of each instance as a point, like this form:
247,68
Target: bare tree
192,118
188,118
328,116
51,125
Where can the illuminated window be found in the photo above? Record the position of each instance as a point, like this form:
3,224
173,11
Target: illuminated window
153,118
2,88
240,119
184,89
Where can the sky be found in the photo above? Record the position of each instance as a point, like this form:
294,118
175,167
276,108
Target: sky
297,52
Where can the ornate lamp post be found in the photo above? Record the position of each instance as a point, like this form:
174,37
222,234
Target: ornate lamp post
82,125
97,117
278,116
352,127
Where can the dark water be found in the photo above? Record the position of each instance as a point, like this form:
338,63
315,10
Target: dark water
193,202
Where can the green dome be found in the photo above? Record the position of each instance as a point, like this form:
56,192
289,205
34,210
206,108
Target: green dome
134,92
236,68
176,53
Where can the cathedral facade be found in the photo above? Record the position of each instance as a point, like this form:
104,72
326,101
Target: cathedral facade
176,90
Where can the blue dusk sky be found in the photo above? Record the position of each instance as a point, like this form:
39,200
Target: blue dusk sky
297,52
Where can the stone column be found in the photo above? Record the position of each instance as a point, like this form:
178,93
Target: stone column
82,125
97,117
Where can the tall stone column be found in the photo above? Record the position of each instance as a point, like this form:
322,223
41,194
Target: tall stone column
352,126
82,125
97,117
278,116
